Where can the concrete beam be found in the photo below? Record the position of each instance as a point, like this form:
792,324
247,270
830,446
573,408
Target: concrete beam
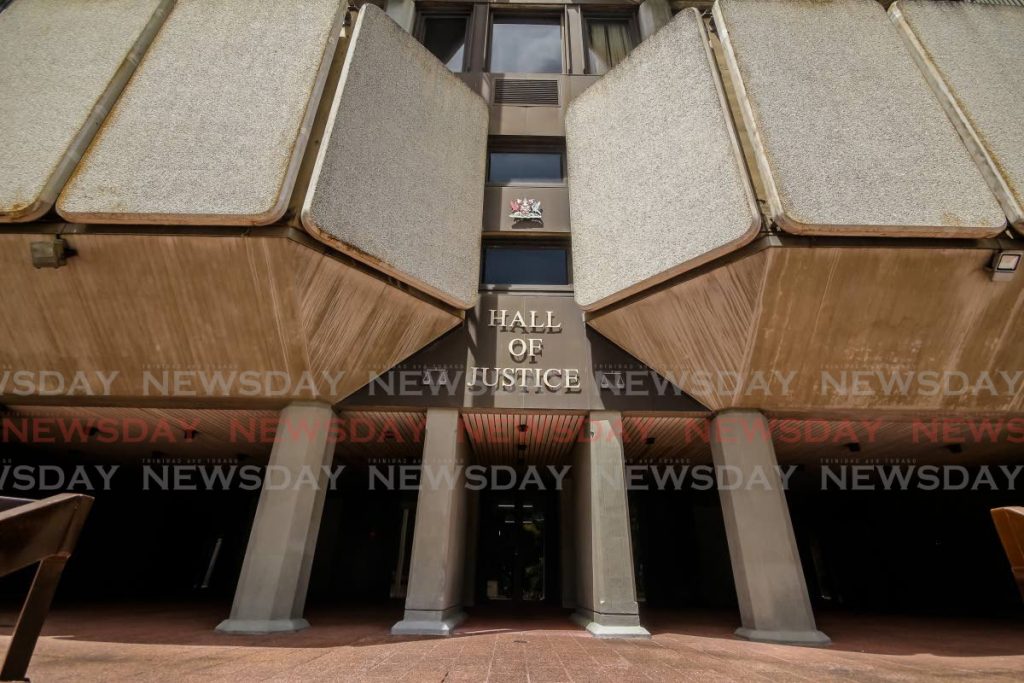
567,538
433,603
770,585
271,592
605,589
652,15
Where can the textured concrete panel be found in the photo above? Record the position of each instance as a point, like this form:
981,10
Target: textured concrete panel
972,57
850,139
212,127
62,65
656,182
399,178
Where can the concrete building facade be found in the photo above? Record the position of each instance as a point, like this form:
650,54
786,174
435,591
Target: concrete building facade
478,288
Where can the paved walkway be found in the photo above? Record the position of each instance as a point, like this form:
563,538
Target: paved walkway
178,644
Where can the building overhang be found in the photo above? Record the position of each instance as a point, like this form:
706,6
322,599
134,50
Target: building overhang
226,317
830,325
869,285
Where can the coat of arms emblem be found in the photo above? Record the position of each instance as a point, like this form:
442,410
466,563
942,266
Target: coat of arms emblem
526,210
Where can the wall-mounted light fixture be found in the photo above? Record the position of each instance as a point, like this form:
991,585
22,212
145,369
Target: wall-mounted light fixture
1005,265
51,254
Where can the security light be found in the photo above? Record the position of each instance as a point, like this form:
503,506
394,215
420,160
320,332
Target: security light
52,254
1005,264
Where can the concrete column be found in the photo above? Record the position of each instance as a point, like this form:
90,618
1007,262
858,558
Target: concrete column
652,15
271,592
605,589
403,12
472,534
567,542
433,604
770,585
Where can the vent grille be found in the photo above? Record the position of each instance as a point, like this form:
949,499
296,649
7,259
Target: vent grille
526,91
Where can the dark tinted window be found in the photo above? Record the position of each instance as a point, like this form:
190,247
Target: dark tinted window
522,265
445,37
525,45
524,167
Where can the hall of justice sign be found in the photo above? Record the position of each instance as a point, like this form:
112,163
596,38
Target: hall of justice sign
526,352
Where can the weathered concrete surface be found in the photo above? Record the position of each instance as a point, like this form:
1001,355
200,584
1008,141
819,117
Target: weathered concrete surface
212,127
271,592
656,183
605,588
850,139
399,179
62,65
972,57
433,604
770,584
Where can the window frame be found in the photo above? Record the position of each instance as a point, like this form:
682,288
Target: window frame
521,243
628,17
512,144
454,12
528,15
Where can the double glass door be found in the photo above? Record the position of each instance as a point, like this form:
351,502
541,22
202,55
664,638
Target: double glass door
514,541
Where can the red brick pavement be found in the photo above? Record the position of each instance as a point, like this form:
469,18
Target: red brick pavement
159,643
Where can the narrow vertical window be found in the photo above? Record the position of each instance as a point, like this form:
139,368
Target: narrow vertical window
608,43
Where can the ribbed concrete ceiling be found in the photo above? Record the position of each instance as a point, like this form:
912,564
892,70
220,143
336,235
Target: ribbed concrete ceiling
523,438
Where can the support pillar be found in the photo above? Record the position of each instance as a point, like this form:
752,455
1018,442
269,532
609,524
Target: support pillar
271,592
652,15
403,12
433,604
567,541
605,588
472,536
770,584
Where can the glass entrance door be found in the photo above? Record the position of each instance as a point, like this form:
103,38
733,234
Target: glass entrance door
514,543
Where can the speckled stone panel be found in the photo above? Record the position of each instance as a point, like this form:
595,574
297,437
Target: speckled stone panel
399,179
976,56
211,128
655,177
59,61
850,138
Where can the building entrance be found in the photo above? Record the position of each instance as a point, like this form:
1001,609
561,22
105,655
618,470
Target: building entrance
518,547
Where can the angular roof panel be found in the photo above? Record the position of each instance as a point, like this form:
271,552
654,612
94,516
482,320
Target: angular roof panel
849,138
657,183
62,65
213,125
399,178
972,57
